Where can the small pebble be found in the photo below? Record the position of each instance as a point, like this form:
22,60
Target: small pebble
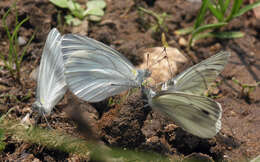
21,41
182,42
34,73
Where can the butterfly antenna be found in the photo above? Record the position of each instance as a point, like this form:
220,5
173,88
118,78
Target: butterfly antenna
46,121
157,58
147,62
167,58
158,61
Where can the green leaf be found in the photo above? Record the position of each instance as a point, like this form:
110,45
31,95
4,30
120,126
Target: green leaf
226,4
221,35
95,18
221,4
96,4
2,146
247,8
202,13
71,5
228,35
95,7
1,134
60,3
2,137
216,12
238,5
184,31
95,11
205,27
70,20
235,9
76,9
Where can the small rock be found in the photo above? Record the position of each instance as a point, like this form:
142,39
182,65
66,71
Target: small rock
233,113
34,73
26,121
216,47
183,42
21,41
158,64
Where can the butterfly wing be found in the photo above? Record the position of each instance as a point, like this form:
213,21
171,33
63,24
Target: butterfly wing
198,115
51,85
197,78
94,71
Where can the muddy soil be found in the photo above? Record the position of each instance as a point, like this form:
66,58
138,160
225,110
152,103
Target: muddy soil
130,124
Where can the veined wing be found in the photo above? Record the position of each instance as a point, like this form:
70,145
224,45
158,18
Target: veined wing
198,115
94,71
51,85
197,78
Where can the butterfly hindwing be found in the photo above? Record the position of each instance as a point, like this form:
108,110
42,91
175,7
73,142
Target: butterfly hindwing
51,85
198,115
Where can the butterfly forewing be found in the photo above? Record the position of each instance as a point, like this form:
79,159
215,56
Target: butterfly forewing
51,85
73,43
94,71
197,78
198,115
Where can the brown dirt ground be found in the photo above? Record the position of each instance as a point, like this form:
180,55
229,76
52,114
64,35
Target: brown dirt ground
129,124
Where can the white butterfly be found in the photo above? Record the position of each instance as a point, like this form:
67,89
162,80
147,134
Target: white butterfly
181,100
51,85
94,71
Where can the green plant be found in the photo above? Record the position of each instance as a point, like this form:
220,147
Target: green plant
2,133
246,89
2,138
94,11
93,150
219,9
160,25
13,60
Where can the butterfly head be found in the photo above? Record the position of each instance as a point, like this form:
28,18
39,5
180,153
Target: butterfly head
142,75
